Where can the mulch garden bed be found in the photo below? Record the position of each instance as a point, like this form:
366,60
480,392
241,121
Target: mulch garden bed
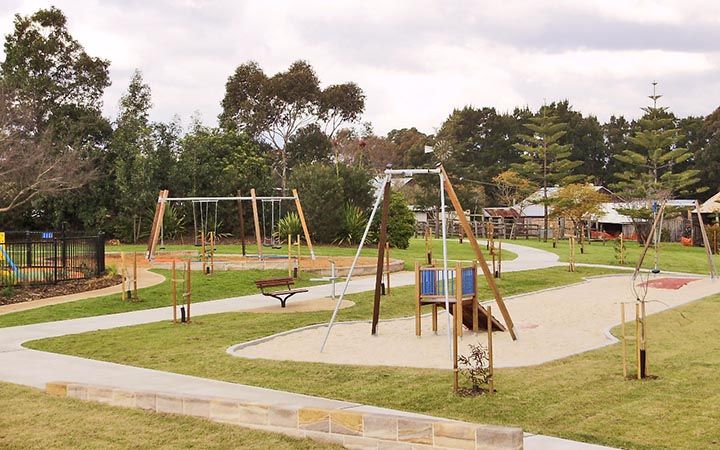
19,294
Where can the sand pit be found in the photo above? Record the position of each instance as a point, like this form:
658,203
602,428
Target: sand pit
551,324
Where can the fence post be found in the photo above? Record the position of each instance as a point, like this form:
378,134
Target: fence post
100,253
63,248
55,260
28,249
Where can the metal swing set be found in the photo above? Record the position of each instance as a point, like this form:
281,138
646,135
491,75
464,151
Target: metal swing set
203,204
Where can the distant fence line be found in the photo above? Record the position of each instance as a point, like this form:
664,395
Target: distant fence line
47,257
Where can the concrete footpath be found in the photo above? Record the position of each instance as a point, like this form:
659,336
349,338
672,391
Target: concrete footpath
35,368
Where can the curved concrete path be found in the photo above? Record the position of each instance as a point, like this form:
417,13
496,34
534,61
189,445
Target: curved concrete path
36,368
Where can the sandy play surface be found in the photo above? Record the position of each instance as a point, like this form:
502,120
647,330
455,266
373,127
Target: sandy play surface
550,325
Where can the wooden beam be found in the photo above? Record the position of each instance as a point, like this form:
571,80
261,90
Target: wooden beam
157,224
256,219
478,253
304,224
706,243
381,255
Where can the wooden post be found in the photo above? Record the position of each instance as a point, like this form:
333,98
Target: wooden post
135,273
711,263
298,255
624,340
491,366
188,289
173,291
203,253
434,317
241,215
304,224
475,301
157,223
256,219
478,253
637,338
499,258
212,252
418,324
387,268
459,297
571,248
289,255
381,254
123,277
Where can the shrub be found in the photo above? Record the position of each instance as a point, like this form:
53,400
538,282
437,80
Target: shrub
354,222
401,223
476,369
289,225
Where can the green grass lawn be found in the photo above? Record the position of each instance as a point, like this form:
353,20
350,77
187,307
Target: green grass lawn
216,286
582,397
672,256
416,251
34,420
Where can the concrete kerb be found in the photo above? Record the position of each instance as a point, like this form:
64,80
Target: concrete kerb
341,426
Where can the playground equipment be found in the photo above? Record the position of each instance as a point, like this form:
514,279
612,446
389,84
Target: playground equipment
129,283
430,290
164,199
186,295
6,261
384,195
207,257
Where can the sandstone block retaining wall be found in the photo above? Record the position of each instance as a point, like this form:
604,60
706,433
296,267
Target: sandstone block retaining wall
354,430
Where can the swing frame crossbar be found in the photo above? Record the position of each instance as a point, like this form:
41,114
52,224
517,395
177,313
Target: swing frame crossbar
164,198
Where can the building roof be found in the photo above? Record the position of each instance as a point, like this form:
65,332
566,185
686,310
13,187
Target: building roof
501,211
530,207
610,214
712,205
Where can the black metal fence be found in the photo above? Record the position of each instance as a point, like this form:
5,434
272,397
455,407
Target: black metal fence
28,257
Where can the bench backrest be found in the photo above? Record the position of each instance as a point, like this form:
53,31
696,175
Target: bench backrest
275,282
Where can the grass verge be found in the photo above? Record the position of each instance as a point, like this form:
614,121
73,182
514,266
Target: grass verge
34,420
672,256
216,286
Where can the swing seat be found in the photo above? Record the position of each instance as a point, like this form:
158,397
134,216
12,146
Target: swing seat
284,295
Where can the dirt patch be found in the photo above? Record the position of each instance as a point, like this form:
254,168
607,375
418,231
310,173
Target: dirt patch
668,283
21,294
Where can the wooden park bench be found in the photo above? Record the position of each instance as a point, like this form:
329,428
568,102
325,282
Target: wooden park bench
283,295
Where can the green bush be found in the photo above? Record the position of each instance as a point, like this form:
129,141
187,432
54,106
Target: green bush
354,222
401,223
289,225
323,194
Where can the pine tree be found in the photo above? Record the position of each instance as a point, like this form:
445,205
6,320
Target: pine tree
545,160
655,172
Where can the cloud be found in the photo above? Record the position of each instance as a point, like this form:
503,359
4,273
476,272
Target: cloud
416,60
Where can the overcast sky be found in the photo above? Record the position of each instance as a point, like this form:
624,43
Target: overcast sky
416,60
